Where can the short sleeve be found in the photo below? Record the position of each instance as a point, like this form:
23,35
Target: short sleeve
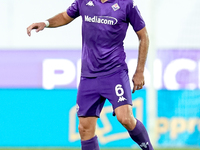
73,10
134,17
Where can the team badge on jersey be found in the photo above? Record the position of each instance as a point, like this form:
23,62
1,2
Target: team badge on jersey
115,7
77,108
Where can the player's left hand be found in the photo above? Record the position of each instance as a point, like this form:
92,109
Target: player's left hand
138,81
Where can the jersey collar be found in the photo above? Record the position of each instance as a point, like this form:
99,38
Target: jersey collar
109,1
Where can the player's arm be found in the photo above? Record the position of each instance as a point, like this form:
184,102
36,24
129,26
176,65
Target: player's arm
56,21
138,77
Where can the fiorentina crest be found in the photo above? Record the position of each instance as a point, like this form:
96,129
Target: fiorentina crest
115,7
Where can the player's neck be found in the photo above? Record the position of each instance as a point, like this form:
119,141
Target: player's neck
103,1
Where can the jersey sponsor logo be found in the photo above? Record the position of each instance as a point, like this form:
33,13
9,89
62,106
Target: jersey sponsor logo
144,144
102,20
90,3
115,7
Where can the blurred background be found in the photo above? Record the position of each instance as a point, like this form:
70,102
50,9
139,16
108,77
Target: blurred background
39,76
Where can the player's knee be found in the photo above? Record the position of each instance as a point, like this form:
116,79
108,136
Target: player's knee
124,120
82,129
127,122
86,132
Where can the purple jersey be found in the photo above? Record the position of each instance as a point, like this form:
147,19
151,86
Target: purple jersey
104,27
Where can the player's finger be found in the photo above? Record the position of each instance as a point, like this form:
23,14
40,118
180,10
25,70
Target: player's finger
31,27
134,88
29,31
38,29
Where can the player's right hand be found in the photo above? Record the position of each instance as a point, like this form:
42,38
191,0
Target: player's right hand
38,26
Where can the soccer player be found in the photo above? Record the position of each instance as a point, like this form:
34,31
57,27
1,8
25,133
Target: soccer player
104,73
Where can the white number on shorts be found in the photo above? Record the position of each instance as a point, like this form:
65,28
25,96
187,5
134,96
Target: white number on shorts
119,90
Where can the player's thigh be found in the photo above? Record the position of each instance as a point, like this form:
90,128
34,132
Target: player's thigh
89,101
124,111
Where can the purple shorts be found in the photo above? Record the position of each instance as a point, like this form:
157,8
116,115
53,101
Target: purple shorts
93,92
